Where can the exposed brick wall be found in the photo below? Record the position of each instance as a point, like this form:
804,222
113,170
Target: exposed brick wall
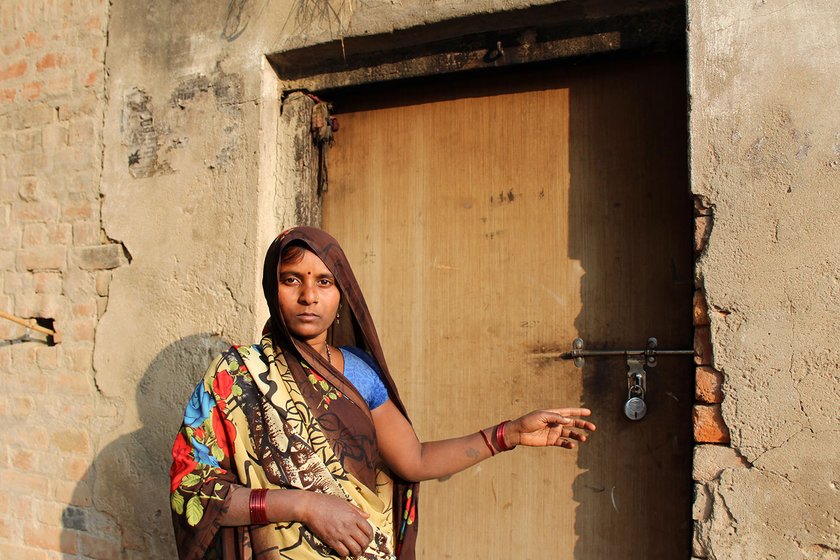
712,454
55,262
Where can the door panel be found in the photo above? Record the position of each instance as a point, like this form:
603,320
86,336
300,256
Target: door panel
491,220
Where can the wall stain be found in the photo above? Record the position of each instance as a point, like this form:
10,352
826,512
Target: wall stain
226,90
140,137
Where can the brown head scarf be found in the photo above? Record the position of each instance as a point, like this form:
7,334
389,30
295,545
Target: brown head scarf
347,422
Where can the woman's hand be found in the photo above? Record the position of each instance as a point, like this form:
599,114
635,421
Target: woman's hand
338,523
558,427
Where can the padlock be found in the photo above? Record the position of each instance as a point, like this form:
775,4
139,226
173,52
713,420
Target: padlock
635,408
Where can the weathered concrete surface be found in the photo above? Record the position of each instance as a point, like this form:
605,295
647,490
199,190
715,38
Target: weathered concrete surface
765,155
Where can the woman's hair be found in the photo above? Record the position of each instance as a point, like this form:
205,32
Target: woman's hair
293,253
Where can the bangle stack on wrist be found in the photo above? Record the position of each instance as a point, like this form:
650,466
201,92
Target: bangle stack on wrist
256,505
500,437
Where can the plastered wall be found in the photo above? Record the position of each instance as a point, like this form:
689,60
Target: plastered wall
147,162
765,165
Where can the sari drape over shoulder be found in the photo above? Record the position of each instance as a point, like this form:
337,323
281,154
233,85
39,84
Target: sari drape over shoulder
276,415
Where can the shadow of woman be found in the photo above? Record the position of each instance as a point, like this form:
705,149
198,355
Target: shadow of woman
120,509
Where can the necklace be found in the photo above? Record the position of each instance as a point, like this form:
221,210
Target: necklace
329,359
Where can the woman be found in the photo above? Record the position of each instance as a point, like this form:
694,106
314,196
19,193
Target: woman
296,448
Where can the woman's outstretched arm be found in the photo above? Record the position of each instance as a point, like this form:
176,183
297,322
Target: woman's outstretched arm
412,460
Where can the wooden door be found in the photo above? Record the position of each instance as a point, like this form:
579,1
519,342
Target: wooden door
491,220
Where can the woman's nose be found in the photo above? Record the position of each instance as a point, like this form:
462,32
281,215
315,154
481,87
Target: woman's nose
308,294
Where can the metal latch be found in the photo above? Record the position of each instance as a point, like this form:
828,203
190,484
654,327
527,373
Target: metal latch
635,406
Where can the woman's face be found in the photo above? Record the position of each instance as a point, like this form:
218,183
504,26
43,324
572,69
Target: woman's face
308,297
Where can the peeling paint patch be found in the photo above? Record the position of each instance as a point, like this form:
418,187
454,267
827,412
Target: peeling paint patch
227,92
140,136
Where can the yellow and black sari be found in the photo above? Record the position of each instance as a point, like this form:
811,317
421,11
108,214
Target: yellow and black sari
276,415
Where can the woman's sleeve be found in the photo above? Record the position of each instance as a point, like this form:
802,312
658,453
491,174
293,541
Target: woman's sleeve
201,475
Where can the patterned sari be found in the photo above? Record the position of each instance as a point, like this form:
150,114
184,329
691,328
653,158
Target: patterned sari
276,415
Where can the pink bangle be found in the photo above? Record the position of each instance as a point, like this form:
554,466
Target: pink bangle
256,505
487,441
500,437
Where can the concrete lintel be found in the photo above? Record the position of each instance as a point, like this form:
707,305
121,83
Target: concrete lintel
531,35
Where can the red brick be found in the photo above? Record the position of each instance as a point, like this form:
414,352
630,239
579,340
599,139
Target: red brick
708,387
79,210
60,234
11,47
14,70
40,305
701,309
80,359
50,513
75,468
75,384
49,60
91,79
43,211
42,258
27,484
85,104
47,282
79,330
5,529
33,39
70,441
99,548
18,552
84,309
73,493
32,90
34,235
28,140
94,24
82,131
49,538
702,230
59,85
22,459
55,136
702,346
49,357
21,408
36,114
18,282
29,189
709,426
86,233
28,163
23,355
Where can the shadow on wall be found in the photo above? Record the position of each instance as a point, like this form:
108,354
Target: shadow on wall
126,515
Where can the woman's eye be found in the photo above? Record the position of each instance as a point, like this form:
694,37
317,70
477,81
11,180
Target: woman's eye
290,281
325,282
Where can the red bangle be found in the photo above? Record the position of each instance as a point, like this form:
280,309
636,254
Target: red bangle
256,505
500,437
487,441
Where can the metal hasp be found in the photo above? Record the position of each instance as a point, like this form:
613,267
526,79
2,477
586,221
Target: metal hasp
635,406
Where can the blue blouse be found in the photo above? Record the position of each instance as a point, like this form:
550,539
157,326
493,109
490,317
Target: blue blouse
361,371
